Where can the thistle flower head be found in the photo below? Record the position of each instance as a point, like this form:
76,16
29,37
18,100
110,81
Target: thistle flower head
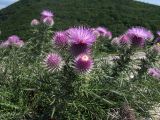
83,63
46,13
77,49
14,40
101,30
95,32
124,40
19,43
158,33
154,72
60,38
104,32
35,22
139,36
156,49
48,21
115,41
109,34
157,41
80,39
53,62
81,35
4,44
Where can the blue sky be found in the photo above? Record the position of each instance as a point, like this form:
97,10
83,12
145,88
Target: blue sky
156,2
5,3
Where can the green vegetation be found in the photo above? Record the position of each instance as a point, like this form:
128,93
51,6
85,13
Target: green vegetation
117,15
117,88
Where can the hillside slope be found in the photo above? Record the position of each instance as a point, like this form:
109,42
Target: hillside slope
117,15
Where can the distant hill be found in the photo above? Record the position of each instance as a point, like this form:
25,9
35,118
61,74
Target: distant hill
117,15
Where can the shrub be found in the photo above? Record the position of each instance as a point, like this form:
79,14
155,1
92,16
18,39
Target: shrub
66,75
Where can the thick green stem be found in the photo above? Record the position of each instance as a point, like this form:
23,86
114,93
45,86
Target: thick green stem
122,63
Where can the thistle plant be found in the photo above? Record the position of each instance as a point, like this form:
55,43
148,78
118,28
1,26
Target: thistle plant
64,75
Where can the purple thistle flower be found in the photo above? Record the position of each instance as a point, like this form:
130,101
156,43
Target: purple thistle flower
157,41
139,36
20,43
124,40
48,21
60,38
53,62
104,32
109,34
154,72
95,32
14,40
158,33
81,35
4,44
115,41
101,30
77,49
156,49
35,22
81,39
83,63
46,13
